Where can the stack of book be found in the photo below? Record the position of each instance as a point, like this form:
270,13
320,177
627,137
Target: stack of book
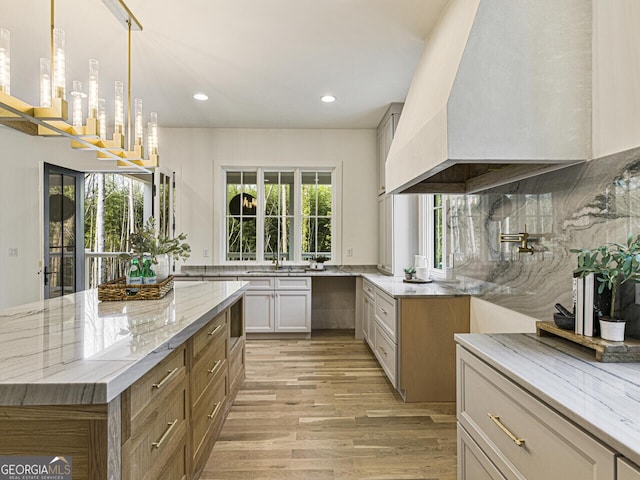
589,305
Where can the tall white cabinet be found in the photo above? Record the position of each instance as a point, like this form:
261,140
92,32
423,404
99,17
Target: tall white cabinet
397,214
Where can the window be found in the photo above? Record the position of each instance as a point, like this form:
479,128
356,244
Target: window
432,234
284,214
317,200
241,217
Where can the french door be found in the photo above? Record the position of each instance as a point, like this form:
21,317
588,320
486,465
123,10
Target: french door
63,231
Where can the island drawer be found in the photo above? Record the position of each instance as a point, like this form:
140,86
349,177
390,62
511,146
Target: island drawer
162,377
176,466
386,352
211,333
207,367
206,413
520,434
156,434
386,312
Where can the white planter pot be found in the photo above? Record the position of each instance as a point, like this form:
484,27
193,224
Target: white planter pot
162,269
612,331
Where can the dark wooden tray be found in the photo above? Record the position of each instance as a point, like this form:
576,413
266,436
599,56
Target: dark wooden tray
606,351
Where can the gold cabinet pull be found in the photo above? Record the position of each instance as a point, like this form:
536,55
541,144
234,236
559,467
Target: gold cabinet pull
215,410
496,420
215,366
213,332
165,434
383,310
165,379
383,351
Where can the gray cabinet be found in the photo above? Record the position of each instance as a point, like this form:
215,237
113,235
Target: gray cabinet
397,232
386,131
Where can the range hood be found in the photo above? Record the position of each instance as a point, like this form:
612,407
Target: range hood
502,92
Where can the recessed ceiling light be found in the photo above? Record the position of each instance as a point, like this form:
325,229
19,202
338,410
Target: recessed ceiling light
328,98
200,96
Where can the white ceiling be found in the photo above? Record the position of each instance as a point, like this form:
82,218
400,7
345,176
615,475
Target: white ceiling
263,63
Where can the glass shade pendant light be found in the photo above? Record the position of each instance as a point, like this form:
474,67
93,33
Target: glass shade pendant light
5,61
76,106
102,118
119,109
153,133
93,89
45,82
59,68
139,129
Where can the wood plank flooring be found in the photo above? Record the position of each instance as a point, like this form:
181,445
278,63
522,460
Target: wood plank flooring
322,409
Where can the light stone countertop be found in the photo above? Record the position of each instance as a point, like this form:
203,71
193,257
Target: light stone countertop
603,398
77,350
394,286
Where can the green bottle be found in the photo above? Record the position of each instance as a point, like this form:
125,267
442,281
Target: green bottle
135,275
148,274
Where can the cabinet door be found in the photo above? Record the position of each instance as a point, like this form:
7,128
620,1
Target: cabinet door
293,311
365,317
473,464
370,315
382,160
388,234
383,258
627,470
258,311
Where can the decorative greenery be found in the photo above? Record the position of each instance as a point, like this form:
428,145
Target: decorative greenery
320,258
146,240
410,270
612,264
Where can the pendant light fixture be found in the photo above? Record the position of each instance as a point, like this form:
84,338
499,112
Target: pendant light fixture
88,132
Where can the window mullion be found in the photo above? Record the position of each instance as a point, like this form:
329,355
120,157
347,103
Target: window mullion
297,215
260,216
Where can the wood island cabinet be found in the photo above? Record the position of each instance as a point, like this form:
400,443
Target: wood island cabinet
412,338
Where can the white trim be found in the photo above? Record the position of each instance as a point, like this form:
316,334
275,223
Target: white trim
426,245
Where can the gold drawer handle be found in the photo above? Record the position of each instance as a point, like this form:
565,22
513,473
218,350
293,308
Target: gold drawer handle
215,366
165,379
496,420
215,410
383,351
383,310
213,332
165,434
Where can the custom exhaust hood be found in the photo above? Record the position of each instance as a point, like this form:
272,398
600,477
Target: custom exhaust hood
502,92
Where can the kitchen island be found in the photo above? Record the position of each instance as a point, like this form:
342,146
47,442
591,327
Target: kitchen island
122,387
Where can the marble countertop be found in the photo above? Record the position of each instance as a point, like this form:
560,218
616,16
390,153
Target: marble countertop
77,350
285,271
397,288
603,398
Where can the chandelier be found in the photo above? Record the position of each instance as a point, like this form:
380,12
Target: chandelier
86,131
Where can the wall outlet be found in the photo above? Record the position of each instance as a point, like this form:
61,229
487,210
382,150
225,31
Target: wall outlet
349,252
13,252
205,252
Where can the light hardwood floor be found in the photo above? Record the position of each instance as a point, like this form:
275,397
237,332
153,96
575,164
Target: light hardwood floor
322,409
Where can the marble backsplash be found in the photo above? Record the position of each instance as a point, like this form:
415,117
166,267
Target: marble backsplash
578,207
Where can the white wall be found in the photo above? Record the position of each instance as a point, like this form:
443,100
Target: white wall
22,158
198,156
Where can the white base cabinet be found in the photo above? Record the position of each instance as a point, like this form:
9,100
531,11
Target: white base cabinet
278,304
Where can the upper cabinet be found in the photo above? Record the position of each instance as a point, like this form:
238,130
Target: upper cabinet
616,76
505,90
386,131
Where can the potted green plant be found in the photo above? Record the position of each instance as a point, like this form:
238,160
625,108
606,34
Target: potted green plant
146,241
317,262
409,272
612,264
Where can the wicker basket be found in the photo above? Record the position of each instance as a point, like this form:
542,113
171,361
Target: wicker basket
118,289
